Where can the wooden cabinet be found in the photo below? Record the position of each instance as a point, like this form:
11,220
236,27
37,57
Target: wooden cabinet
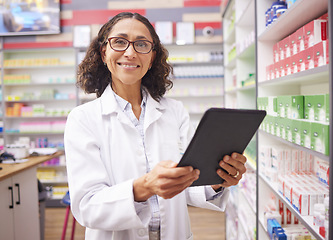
19,213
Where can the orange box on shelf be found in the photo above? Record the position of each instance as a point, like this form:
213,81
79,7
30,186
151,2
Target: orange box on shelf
300,59
288,65
272,71
282,66
314,32
293,43
281,50
308,58
276,54
319,58
293,60
300,39
277,69
286,47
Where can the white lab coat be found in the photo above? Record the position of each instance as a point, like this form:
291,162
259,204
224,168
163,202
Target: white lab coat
104,154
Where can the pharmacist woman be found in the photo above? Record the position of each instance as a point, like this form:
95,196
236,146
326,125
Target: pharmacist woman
122,148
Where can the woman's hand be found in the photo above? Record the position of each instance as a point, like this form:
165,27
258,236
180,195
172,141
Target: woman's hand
234,167
165,180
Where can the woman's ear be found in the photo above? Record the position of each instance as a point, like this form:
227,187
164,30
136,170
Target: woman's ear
103,50
152,59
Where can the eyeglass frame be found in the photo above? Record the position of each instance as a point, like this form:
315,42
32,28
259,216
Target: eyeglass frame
129,43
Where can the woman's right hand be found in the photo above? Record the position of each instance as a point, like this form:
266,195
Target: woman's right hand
165,180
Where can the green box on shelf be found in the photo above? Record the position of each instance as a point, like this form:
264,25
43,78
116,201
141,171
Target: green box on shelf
309,107
288,129
282,126
327,107
320,137
296,133
272,105
315,108
269,123
305,129
290,106
280,105
272,125
320,109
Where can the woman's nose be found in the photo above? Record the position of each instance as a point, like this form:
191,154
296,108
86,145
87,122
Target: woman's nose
130,51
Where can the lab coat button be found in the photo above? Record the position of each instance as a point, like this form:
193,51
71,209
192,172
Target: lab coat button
142,232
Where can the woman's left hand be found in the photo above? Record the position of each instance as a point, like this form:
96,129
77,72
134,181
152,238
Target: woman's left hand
234,167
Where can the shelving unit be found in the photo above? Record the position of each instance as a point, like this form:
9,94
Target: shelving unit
240,92
198,77
38,91
309,82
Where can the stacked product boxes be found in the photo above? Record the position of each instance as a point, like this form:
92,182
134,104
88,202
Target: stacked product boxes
304,49
301,119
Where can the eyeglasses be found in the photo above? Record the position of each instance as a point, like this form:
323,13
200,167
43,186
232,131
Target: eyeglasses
120,44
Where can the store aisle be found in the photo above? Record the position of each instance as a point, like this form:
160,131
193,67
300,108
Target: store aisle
206,224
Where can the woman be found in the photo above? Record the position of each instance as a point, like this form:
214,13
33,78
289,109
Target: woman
122,149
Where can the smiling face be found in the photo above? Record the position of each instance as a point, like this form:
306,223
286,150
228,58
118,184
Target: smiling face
128,67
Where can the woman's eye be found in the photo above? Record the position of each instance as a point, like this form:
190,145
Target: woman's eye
141,44
120,42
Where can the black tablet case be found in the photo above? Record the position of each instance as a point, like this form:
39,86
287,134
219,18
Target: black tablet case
220,132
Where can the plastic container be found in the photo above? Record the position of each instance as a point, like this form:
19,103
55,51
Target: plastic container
277,5
279,11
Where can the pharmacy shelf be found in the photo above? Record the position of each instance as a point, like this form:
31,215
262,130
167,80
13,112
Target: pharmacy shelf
244,17
307,221
195,63
231,36
37,117
197,77
248,52
310,76
23,67
32,84
34,133
313,81
41,100
239,89
237,70
296,146
301,12
248,201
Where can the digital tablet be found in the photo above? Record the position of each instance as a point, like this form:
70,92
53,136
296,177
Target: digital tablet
220,132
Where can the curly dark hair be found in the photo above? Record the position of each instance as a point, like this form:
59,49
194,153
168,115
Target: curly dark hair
94,76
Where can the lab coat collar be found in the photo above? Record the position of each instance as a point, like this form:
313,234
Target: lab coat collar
109,103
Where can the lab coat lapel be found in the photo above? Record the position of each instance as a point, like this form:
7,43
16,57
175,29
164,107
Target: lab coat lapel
154,111
110,106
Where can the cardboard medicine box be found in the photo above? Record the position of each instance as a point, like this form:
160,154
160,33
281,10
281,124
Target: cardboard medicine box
290,106
320,108
293,44
314,32
296,131
309,58
276,52
300,39
319,55
309,107
320,137
288,129
305,130
327,107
